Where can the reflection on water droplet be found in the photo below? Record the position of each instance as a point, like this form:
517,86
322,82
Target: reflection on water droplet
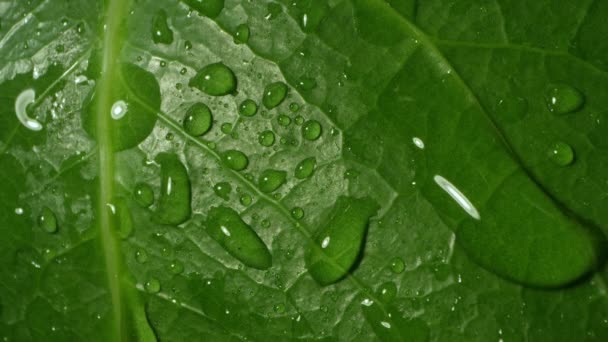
198,119
214,79
119,109
144,195
24,99
306,83
325,242
176,267
19,211
161,32
235,160
387,291
418,142
457,195
561,154
563,99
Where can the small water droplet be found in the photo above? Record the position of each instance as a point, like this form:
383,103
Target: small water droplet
152,285
311,130
176,267
284,120
47,220
235,160
270,180
144,195
241,36
294,107
248,108
198,119
274,94
265,223
141,256
306,83
246,200
188,45
223,190
266,138
563,99
279,308
561,154
226,128
214,79
305,168
387,291
299,120
161,32
397,265
297,213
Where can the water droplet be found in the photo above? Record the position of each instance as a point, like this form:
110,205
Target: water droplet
235,160
279,308
144,195
198,119
245,200
152,285
223,190
208,8
22,102
561,154
162,64
265,223
457,196
176,267
284,120
338,244
306,168
397,265
141,256
294,107
270,180
121,217
119,109
169,136
183,71
248,108
241,36
175,197
161,32
311,130
387,291
47,220
306,83
226,128
274,94
80,28
297,213
266,138
226,227
214,79
563,99
299,120
188,45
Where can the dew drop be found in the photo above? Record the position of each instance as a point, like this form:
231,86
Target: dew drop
22,102
176,267
279,308
387,291
161,32
563,99
248,108
223,190
311,130
119,109
235,159
284,120
198,119
270,180
561,154
47,220
241,36
266,138
141,256
294,107
214,79
174,205
306,168
265,223
245,200
152,285
274,94
144,195
299,120
397,265
306,83
297,213
188,45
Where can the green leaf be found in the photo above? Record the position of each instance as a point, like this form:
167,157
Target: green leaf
303,170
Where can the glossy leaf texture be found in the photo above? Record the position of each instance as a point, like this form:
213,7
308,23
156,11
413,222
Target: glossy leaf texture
351,170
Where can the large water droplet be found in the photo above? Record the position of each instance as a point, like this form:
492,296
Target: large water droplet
223,190
47,220
214,79
266,138
248,107
306,168
161,32
561,154
24,99
144,195
563,99
241,36
208,8
175,197
270,180
311,130
274,94
235,160
339,242
198,119
226,227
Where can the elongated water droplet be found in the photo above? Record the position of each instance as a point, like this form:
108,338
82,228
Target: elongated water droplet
266,138
24,99
223,190
176,267
198,119
226,128
161,32
214,79
144,195
235,160
561,154
241,36
47,220
226,227
563,99
306,168
339,242
152,285
122,218
175,197
397,265
270,180
208,8
188,45
248,108
297,213
311,130
274,94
